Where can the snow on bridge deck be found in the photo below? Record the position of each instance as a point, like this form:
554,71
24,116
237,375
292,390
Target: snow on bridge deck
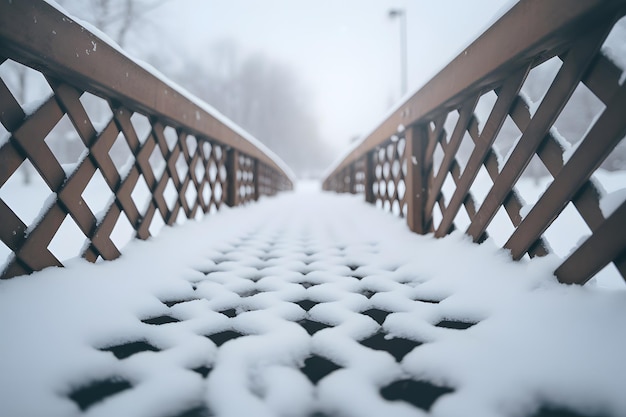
308,304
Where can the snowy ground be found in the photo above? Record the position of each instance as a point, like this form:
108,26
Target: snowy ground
308,304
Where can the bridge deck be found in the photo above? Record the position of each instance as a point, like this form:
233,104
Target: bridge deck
309,304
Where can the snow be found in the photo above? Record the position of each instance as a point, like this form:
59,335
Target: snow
69,168
49,202
30,107
530,347
502,160
610,202
4,136
523,212
615,48
569,149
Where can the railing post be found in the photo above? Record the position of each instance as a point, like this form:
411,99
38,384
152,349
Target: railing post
343,187
369,178
352,184
255,179
232,166
415,181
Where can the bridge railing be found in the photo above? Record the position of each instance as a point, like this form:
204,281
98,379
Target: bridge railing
423,161
145,139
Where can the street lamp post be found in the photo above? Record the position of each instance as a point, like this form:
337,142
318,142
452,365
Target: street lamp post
401,14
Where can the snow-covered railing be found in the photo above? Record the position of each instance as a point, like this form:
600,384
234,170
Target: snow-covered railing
436,140
160,155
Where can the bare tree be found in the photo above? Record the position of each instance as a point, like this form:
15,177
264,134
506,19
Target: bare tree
265,98
116,18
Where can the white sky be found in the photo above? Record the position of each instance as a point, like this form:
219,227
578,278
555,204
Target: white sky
346,53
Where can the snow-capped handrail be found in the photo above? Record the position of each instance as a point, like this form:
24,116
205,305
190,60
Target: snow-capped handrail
208,160
403,163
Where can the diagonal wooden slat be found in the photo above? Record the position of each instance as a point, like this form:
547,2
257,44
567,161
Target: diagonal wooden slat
15,268
455,174
157,131
99,152
158,199
608,243
494,123
12,232
435,136
450,149
551,154
34,252
578,58
11,113
125,200
143,162
122,118
512,203
603,77
183,200
607,132
69,100
10,160
70,195
143,232
101,243
30,139
170,166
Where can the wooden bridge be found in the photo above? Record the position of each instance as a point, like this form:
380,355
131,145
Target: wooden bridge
345,273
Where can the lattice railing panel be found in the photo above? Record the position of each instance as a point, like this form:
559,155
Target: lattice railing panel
553,116
106,169
270,181
246,179
389,167
360,181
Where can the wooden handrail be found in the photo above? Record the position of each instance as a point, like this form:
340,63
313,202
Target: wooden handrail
499,61
223,163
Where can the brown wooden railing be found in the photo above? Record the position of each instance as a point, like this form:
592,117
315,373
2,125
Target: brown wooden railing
206,160
404,163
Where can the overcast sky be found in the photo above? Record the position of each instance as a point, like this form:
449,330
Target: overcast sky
347,53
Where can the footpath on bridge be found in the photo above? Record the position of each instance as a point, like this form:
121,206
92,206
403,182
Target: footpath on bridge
309,304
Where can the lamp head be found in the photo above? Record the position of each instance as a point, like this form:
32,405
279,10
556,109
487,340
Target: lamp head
395,13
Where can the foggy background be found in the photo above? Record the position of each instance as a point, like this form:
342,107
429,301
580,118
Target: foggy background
304,77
